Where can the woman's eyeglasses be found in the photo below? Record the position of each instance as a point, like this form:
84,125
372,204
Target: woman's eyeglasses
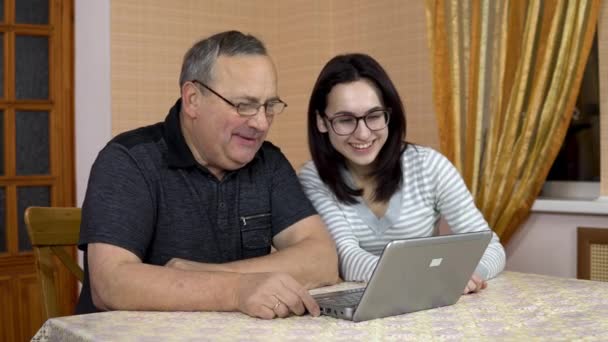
346,124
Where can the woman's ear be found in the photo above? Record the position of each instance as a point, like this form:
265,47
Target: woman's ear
321,124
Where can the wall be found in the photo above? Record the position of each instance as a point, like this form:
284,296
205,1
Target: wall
92,85
546,243
149,38
93,119
300,45
312,32
148,41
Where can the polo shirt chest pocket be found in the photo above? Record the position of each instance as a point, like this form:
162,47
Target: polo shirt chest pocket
255,211
256,234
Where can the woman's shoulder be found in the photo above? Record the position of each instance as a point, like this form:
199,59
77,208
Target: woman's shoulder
308,171
308,166
423,160
418,154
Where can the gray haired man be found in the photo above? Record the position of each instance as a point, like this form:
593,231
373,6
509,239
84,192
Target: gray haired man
182,215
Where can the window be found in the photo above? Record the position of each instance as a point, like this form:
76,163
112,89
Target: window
576,170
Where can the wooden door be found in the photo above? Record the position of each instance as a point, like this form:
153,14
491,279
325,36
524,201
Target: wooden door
37,148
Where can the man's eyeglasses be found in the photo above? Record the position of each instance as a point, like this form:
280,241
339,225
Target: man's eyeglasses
271,108
346,124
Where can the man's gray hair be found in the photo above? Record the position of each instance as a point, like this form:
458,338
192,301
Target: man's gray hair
200,59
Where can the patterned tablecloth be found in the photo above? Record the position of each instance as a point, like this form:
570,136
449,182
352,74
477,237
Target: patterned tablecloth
515,306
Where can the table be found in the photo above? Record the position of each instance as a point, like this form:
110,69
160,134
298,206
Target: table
515,306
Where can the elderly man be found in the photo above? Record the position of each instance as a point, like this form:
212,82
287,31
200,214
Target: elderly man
181,215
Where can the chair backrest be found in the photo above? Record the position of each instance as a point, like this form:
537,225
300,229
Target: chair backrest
50,231
592,253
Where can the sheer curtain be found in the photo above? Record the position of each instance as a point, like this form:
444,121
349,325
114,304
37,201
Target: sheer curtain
506,75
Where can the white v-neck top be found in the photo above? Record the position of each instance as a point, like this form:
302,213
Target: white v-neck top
432,187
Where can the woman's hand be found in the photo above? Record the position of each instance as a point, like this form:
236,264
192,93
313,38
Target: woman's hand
475,284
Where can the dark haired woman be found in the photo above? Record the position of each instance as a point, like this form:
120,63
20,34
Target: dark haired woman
370,185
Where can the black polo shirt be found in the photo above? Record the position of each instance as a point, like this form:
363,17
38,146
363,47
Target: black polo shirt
147,194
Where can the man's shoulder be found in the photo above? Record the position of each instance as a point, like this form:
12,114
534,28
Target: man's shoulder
143,135
143,146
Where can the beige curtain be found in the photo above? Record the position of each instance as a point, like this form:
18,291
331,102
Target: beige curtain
506,75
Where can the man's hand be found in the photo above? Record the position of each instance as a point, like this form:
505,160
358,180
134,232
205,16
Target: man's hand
270,295
264,295
475,284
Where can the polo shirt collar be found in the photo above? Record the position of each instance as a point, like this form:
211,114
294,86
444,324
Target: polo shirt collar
179,154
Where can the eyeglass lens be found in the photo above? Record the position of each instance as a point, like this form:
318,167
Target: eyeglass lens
347,124
272,108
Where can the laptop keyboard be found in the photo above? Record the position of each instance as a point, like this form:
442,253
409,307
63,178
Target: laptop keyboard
345,298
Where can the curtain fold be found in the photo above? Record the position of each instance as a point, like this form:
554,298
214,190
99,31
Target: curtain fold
506,75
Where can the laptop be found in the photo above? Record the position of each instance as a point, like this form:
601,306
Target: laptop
411,275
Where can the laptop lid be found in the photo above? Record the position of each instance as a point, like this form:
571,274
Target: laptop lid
421,273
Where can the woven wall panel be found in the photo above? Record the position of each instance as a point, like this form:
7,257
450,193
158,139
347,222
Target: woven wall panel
599,262
149,38
394,32
148,42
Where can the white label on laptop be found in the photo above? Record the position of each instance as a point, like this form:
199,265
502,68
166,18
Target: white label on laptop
435,262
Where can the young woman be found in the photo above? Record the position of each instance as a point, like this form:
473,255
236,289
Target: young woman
370,185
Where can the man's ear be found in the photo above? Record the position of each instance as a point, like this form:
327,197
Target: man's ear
190,99
321,124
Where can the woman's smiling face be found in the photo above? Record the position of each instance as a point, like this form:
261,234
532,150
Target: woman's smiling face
360,148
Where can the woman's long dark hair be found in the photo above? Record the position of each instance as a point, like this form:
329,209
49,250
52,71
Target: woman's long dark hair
387,173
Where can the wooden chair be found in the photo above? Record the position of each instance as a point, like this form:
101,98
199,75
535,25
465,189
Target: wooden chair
592,253
50,231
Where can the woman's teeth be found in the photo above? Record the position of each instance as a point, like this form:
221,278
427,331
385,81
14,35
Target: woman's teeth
362,146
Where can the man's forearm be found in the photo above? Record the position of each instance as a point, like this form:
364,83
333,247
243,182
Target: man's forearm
312,262
137,286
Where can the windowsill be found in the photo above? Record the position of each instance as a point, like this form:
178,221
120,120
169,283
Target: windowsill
598,206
